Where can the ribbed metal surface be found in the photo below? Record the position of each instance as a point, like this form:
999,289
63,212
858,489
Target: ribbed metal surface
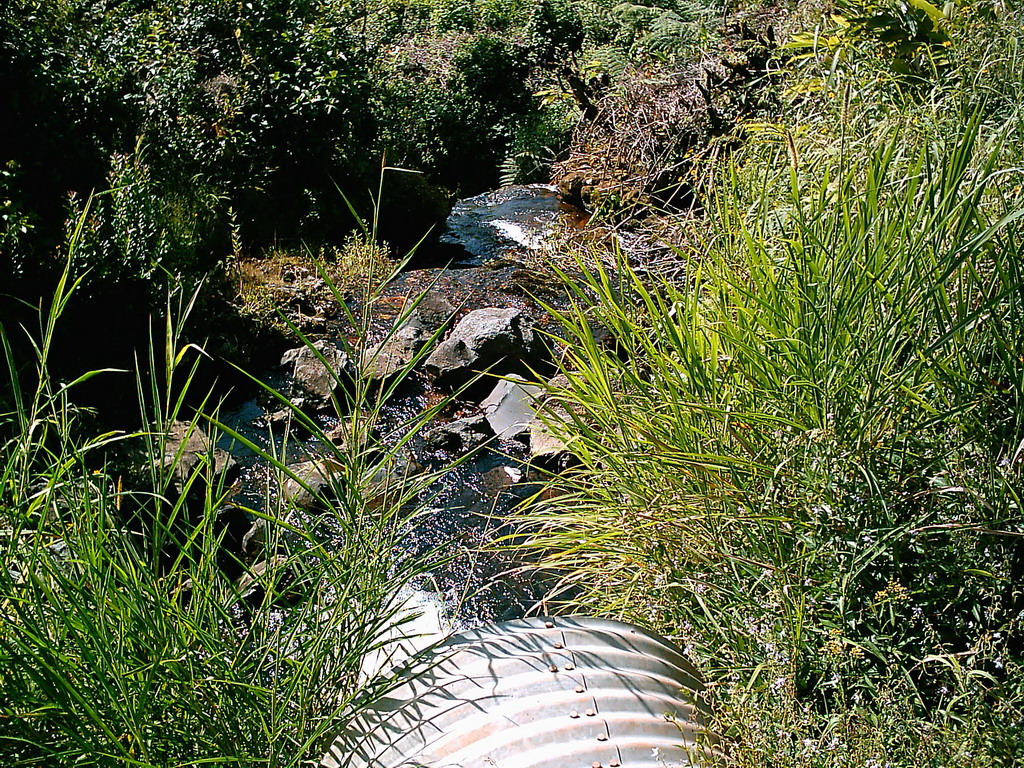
535,693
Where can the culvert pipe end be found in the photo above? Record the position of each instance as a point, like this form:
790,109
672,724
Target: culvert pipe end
536,693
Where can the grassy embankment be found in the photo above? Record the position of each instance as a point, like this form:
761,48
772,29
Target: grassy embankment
802,459
221,128
124,638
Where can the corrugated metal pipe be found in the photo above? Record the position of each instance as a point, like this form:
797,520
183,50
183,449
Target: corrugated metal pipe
536,693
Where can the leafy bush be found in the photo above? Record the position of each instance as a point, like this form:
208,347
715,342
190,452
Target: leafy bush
455,107
15,221
134,230
909,45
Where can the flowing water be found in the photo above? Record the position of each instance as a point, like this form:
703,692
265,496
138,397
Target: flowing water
489,251
506,223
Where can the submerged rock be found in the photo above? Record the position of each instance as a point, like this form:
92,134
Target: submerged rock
500,479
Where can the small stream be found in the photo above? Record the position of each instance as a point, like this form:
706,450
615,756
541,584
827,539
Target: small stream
487,256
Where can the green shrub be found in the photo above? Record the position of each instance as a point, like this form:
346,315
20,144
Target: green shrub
15,222
453,108
453,16
136,230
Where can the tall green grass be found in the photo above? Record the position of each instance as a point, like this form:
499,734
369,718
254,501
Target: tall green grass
803,460
122,639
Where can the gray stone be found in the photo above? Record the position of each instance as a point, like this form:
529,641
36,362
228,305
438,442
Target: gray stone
391,480
305,490
274,575
394,354
188,450
315,482
433,311
547,450
255,540
278,418
543,443
266,535
481,340
310,484
398,350
511,406
313,382
459,436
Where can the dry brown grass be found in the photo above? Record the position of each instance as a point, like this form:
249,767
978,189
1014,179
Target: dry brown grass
637,143
298,284
648,146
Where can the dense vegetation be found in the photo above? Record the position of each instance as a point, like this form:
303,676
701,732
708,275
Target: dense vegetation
127,636
212,119
800,446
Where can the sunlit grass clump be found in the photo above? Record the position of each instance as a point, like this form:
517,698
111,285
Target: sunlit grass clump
803,459
127,637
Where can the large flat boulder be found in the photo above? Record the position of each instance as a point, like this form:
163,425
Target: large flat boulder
511,407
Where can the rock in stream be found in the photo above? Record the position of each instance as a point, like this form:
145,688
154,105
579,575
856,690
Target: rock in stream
491,297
